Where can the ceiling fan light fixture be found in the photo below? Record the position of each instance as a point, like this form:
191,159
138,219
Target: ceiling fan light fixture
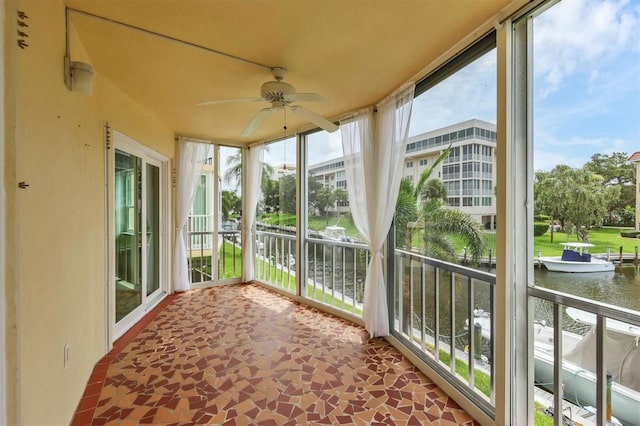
276,91
281,95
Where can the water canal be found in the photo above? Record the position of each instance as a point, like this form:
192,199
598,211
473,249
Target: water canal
619,288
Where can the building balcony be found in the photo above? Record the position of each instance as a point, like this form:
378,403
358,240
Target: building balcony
242,353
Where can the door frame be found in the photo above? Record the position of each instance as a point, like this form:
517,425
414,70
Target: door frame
148,156
214,193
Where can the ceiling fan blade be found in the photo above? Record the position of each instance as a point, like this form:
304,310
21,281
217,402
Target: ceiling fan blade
224,101
306,97
256,121
314,118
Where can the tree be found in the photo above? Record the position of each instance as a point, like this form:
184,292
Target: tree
313,188
287,185
433,189
270,194
341,196
615,171
406,212
326,198
574,196
426,173
231,204
550,194
234,169
614,168
438,221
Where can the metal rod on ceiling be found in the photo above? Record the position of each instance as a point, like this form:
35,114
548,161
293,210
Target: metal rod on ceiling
167,37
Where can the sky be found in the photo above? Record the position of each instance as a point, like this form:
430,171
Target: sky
587,81
586,89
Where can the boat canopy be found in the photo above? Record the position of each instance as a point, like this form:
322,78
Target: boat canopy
577,245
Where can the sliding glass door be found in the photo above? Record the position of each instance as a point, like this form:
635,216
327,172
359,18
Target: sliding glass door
139,245
128,229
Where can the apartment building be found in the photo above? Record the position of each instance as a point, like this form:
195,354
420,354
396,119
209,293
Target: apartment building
468,173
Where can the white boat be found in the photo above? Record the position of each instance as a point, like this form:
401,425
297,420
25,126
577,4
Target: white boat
334,233
622,356
579,363
576,258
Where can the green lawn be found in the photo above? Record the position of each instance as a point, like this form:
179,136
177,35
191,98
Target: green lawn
316,223
539,417
601,238
276,219
482,380
228,262
280,277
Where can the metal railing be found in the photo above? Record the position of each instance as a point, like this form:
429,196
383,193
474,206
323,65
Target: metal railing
336,270
212,263
592,372
336,273
275,259
204,224
443,313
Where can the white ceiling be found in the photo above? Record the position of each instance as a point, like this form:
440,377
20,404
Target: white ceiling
353,52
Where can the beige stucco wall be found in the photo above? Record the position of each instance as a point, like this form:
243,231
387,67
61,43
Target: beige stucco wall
57,246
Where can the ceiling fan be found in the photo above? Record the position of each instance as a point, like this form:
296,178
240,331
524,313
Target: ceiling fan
281,95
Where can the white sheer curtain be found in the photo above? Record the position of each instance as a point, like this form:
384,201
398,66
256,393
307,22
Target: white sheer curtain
374,147
252,165
192,156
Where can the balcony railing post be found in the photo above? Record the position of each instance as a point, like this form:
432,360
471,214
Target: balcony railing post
315,264
400,298
355,280
436,313
423,310
452,310
288,260
471,332
282,260
223,258
235,239
411,305
601,373
344,273
492,349
324,269
557,364
333,273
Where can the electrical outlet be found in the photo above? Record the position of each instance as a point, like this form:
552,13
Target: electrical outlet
66,355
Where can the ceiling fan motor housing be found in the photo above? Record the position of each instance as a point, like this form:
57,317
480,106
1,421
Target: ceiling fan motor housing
276,91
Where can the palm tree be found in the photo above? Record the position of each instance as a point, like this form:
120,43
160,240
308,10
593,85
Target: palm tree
234,170
230,204
406,212
426,173
438,221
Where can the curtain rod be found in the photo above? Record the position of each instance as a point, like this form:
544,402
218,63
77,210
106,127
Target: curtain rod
167,37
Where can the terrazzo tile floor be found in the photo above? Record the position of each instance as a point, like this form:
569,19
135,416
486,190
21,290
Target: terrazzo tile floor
242,355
